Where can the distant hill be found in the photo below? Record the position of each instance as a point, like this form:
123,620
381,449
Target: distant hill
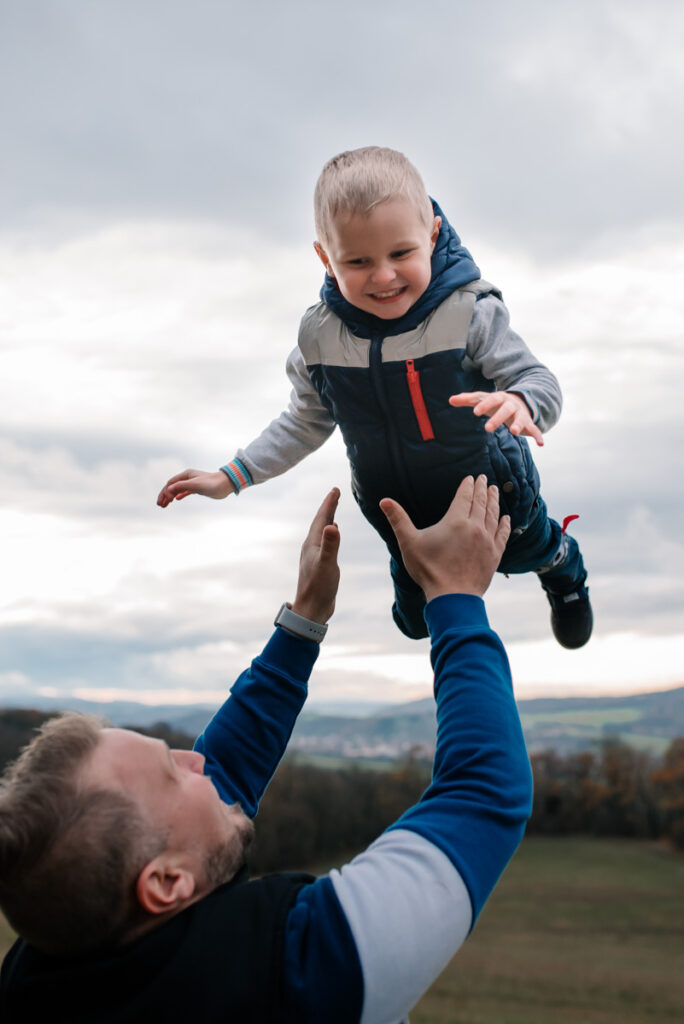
648,721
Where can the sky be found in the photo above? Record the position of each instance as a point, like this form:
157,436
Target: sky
156,229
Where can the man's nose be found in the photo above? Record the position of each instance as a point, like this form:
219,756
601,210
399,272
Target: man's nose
191,759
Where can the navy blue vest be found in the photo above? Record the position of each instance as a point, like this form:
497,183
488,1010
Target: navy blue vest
218,961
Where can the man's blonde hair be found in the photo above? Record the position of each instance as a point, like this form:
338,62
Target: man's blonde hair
358,180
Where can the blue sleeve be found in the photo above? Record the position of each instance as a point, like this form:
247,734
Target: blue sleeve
246,739
363,943
321,967
480,796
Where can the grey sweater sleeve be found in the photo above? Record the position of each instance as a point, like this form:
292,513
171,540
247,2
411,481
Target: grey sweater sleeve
299,430
501,355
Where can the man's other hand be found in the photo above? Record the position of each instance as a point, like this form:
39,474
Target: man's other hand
460,553
319,573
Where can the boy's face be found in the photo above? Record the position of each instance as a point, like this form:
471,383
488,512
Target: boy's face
381,260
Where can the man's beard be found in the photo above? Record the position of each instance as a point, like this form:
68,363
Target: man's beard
225,860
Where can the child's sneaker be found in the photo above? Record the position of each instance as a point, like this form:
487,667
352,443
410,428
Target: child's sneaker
572,619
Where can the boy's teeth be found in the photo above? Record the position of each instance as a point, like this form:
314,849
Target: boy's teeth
387,295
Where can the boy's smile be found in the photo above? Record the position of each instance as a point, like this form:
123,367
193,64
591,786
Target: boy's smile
381,260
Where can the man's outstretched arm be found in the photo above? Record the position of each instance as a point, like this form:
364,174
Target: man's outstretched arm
364,943
246,739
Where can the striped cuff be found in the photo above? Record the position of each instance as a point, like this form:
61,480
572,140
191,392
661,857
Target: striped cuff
238,474
530,403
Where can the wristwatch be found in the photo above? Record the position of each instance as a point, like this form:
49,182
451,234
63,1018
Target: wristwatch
298,625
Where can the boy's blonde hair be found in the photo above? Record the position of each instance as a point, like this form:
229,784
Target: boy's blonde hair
358,180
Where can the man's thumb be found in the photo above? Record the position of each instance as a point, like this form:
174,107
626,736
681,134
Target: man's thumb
396,517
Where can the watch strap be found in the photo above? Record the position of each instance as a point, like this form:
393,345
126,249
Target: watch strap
298,625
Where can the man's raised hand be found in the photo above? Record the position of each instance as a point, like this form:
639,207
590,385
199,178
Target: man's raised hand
319,573
461,552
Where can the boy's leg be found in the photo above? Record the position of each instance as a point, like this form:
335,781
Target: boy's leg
557,560
409,602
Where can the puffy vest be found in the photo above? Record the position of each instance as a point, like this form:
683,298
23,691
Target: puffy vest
217,961
390,397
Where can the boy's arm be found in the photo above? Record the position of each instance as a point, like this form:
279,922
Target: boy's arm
528,399
299,430
246,739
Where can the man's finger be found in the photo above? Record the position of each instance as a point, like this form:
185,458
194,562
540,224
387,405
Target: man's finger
330,543
463,499
478,507
492,511
399,520
503,532
325,514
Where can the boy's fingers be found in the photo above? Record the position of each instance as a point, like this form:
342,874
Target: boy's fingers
465,398
537,435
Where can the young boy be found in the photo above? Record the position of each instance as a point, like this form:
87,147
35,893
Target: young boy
411,354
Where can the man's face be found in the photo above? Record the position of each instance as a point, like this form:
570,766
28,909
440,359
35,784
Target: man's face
381,260
206,835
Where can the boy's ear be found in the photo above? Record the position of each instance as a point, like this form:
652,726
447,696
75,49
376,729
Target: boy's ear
323,257
436,225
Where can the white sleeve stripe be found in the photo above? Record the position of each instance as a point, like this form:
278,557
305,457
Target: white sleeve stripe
409,911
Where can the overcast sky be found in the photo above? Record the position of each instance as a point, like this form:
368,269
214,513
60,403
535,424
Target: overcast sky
158,165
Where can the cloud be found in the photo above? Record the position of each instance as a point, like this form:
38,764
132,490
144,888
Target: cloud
536,124
155,228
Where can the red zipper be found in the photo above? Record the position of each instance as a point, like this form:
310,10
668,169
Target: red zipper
413,379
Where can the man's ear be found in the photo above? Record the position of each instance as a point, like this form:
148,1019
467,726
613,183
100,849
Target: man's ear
163,886
324,258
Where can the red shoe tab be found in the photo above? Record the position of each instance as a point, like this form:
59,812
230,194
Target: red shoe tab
413,379
566,523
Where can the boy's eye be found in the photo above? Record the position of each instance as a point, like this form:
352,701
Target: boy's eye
357,262
400,253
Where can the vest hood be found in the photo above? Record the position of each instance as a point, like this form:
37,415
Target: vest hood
452,267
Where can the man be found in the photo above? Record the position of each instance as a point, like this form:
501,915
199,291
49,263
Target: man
120,861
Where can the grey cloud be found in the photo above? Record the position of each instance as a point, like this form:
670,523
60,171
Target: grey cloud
530,122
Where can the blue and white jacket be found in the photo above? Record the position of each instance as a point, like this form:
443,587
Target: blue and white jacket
363,943
386,383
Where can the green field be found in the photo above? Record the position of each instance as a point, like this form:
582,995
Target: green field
579,930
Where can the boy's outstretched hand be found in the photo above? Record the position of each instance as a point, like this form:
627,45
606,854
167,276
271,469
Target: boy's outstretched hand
319,573
502,407
195,481
460,553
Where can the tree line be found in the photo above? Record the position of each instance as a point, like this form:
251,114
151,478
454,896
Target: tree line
311,815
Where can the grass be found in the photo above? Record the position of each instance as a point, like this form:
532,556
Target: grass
579,931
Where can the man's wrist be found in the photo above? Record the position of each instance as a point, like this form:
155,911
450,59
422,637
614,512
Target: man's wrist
297,624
